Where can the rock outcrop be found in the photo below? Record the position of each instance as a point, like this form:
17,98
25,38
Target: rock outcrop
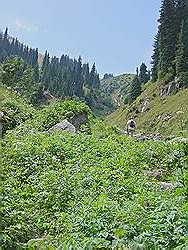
169,88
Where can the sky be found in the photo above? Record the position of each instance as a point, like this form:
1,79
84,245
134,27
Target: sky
115,34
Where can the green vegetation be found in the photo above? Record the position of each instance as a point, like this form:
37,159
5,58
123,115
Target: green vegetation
91,192
15,108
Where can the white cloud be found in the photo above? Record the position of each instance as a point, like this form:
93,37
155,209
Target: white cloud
24,25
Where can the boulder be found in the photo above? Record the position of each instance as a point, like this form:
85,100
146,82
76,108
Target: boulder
64,125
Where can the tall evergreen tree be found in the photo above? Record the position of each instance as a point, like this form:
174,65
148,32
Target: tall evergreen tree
135,89
167,38
143,75
94,78
1,47
155,58
182,53
5,36
79,78
45,71
85,72
6,44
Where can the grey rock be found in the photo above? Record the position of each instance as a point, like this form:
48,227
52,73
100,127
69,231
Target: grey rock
64,125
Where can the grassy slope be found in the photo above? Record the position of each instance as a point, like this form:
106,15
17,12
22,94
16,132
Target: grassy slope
117,86
166,115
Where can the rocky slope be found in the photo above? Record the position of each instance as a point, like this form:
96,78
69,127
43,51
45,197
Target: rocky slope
161,108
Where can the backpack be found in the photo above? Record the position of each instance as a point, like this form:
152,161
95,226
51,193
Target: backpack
132,124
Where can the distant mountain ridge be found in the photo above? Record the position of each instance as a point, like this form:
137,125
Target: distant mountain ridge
118,87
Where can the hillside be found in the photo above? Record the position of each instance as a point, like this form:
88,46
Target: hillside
117,87
156,111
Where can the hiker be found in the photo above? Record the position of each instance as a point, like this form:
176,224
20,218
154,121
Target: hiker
131,125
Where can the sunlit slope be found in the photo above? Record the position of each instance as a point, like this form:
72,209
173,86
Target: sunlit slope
155,113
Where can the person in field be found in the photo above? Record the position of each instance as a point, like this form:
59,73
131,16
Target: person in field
131,126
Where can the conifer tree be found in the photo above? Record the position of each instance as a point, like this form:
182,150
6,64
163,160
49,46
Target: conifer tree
85,72
1,47
6,44
155,58
36,73
167,38
92,76
5,36
94,81
79,76
45,70
182,53
143,75
135,89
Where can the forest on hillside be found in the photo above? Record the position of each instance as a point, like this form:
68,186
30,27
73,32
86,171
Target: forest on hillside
61,78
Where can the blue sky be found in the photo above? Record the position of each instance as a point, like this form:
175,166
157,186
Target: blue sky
116,34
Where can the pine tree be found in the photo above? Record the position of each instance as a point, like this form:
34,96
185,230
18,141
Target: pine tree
1,47
182,53
6,44
79,78
45,71
36,73
25,53
167,38
155,58
16,48
85,72
5,36
92,76
143,75
94,81
135,89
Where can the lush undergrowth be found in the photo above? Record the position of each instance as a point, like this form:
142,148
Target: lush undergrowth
78,191
23,116
16,110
